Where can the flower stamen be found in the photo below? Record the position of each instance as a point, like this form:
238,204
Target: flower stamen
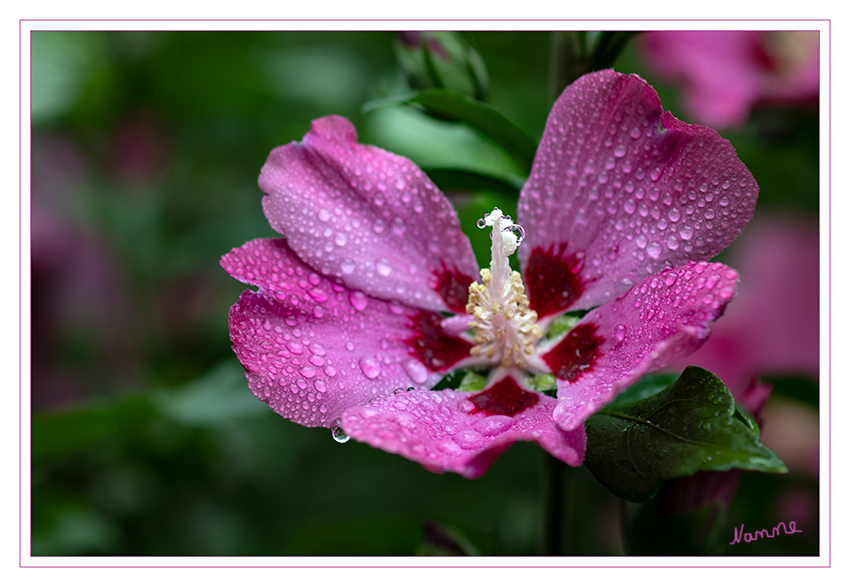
504,329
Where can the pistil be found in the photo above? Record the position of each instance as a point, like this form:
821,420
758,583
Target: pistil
504,329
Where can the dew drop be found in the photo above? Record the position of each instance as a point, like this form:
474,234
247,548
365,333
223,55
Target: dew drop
348,266
686,232
359,300
399,227
619,150
672,243
620,332
370,367
324,215
338,433
384,267
518,231
416,371
653,249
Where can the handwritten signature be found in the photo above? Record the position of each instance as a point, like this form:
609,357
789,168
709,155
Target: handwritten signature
774,532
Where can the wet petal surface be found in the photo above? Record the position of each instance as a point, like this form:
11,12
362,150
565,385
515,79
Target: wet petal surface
663,318
452,431
620,190
367,218
312,348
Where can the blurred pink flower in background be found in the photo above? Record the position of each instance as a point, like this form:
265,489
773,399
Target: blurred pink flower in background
725,73
773,326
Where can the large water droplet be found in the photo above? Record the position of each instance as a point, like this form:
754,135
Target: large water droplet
416,371
324,215
383,266
370,367
653,249
620,332
348,266
340,239
358,300
338,433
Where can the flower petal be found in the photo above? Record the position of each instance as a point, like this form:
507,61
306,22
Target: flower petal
368,218
620,190
661,319
312,348
452,431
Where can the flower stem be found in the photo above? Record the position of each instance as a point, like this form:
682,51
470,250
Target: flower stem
557,506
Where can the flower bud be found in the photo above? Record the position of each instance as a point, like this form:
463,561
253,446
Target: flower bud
441,59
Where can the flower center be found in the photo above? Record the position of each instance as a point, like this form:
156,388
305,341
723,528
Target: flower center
504,329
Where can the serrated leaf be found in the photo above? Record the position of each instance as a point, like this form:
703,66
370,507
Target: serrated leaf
451,106
632,446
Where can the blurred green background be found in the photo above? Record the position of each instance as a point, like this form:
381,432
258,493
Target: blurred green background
146,147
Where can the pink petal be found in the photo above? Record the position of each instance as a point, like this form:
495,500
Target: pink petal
663,318
619,191
312,348
773,326
368,218
460,432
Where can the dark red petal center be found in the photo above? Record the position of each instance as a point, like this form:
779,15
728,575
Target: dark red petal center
431,345
506,398
576,353
452,286
553,280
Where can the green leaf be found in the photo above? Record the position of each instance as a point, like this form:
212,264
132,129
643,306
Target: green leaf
545,382
450,106
466,180
693,425
472,381
607,46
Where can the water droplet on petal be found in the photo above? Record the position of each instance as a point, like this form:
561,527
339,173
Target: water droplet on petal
416,371
653,249
370,367
348,266
358,300
384,267
620,332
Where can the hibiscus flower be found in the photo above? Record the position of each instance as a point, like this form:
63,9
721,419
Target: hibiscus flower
375,294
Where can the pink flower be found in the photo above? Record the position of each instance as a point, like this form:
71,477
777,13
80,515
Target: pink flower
725,73
348,328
